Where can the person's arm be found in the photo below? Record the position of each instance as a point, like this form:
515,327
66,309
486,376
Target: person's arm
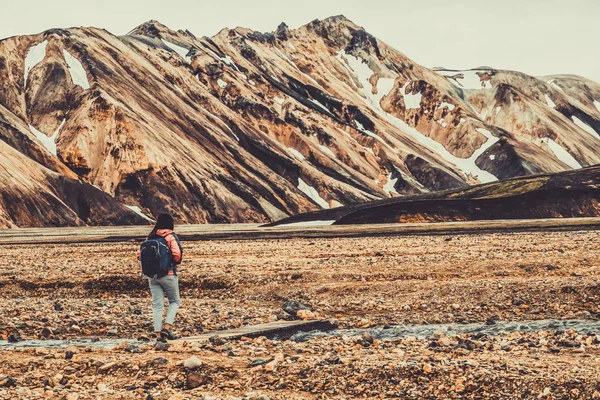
176,249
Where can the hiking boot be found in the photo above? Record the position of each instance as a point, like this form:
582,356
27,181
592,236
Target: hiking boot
167,334
161,339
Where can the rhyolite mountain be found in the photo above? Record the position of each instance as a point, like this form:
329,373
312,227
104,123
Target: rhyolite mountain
247,126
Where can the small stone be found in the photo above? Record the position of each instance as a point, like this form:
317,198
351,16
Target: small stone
112,332
427,368
7,382
438,334
56,379
367,337
192,363
195,379
133,348
306,314
216,340
15,337
47,332
271,366
42,351
161,346
107,366
258,361
292,306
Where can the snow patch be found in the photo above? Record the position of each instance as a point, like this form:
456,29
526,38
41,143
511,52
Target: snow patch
370,150
320,105
312,193
222,84
470,79
226,126
139,212
371,134
554,85
411,100
384,86
327,151
585,127
549,101
441,122
363,73
560,153
278,100
447,105
597,104
182,51
179,90
35,55
310,223
492,157
296,154
229,61
390,184
78,74
498,109
291,46
466,165
49,142
250,81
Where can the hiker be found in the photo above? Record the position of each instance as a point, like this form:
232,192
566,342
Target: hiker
159,255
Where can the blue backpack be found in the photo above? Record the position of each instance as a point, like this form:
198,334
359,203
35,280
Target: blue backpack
155,257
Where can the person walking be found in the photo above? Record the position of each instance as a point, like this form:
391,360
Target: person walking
160,255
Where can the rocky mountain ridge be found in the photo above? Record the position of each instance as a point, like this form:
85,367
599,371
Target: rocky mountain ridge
253,127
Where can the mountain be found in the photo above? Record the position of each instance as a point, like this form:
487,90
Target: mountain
253,127
567,194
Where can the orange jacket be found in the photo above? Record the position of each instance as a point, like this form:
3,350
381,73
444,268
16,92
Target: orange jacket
173,244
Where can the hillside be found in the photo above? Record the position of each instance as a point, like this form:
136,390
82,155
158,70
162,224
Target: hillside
247,126
564,195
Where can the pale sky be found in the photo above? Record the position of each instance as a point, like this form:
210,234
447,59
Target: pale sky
538,37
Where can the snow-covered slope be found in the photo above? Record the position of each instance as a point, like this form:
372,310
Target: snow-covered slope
249,126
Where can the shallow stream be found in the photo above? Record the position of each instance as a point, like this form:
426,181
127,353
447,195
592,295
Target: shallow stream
427,331
391,332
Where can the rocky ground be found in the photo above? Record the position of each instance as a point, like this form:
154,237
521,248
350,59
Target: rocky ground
66,291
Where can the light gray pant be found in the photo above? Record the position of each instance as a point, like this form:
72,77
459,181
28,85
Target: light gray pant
168,285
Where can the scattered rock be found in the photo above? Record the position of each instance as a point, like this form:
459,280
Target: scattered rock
15,337
161,346
47,332
195,379
367,338
133,348
7,382
107,366
192,363
216,340
306,314
292,307
258,361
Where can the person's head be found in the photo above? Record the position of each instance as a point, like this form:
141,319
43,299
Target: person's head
164,221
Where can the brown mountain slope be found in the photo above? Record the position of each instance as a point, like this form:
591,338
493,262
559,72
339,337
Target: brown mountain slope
567,194
249,126
32,195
